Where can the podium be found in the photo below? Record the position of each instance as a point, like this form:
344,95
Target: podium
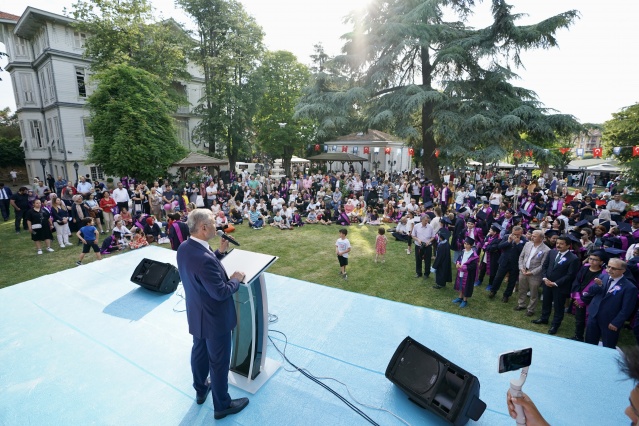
250,368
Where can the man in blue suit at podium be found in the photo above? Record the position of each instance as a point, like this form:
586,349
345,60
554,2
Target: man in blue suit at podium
210,311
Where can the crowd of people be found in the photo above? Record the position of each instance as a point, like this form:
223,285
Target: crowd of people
533,233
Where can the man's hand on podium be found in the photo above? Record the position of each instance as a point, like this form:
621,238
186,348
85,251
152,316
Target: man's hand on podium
239,276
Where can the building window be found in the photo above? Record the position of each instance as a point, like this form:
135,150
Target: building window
79,39
50,132
56,126
36,132
48,76
27,88
182,129
24,143
96,173
45,87
86,121
80,79
21,47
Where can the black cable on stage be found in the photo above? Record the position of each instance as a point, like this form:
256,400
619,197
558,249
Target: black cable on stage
317,381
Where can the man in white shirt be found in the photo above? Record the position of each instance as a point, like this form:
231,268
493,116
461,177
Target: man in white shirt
423,236
211,194
121,197
531,261
84,187
616,207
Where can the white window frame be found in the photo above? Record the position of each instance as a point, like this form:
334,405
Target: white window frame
21,47
96,173
26,83
44,85
35,131
81,81
79,39
56,125
85,128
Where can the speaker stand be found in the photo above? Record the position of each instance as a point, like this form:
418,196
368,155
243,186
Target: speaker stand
252,386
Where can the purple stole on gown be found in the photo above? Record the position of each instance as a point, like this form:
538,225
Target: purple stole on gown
488,254
461,283
577,295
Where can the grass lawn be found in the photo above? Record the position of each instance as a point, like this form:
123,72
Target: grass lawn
307,254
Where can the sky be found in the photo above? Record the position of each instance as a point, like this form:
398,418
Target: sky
590,75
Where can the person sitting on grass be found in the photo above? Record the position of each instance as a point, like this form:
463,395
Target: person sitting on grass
88,235
343,218
311,219
112,243
277,219
126,217
374,218
325,217
152,230
255,218
139,239
297,219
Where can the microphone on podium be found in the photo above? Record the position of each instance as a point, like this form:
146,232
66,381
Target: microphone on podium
227,237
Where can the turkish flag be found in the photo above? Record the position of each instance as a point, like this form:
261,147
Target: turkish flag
436,153
635,151
596,152
387,150
367,150
344,148
517,154
564,150
411,152
529,153
317,147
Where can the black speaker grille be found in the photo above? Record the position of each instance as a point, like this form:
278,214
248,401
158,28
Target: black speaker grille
417,370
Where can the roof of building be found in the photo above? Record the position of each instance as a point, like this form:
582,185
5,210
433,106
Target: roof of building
4,16
31,21
337,156
195,159
370,136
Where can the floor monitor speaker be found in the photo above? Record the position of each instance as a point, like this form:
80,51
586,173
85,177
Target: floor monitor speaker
156,276
435,383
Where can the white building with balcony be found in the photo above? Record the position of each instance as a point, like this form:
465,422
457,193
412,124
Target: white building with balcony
50,82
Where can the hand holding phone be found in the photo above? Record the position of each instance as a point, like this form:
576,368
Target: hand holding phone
513,361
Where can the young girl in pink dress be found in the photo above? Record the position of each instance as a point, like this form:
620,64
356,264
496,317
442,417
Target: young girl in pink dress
380,244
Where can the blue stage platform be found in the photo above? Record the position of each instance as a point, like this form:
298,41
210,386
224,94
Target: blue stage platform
86,346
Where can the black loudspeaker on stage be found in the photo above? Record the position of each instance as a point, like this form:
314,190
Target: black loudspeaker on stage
435,383
156,276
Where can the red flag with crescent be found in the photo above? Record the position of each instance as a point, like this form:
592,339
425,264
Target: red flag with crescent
387,150
635,151
411,152
564,150
367,150
344,148
437,153
596,152
317,147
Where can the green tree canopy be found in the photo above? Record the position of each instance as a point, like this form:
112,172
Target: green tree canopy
441,83
623,131
126,32
229,49
282,78
131,123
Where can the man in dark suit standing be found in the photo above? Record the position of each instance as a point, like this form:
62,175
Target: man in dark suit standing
558,272
210,311
5,201
612,301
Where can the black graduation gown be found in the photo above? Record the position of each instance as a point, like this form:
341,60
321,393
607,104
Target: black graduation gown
444,272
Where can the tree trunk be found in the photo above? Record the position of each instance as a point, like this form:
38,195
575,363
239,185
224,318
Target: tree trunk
429,160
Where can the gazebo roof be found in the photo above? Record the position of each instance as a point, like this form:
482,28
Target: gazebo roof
338,156
195,159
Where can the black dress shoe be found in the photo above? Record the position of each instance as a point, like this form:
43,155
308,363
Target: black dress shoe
530,314
504,299
539,321
437,287
201,397
492,295
553,330
519,308
417,276
578,339
236,406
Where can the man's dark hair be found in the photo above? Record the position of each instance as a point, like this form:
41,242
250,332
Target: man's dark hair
629,363
564,239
